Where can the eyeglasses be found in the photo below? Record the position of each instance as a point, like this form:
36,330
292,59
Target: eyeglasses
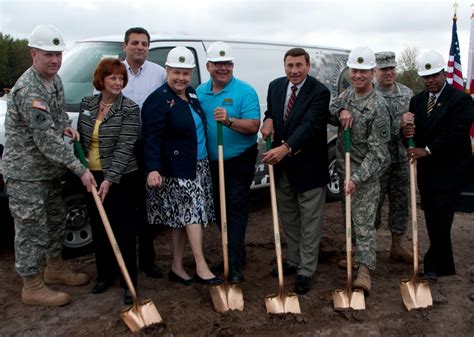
223,64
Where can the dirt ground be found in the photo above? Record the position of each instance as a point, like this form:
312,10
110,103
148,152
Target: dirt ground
188,311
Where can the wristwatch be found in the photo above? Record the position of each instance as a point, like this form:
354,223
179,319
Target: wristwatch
288,147
231,120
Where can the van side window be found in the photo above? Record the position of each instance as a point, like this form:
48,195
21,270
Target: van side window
158,55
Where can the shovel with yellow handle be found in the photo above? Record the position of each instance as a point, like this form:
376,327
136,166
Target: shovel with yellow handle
348,298
416,293
138,315
283,302
225,296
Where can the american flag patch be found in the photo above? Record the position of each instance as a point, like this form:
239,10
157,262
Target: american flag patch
39,104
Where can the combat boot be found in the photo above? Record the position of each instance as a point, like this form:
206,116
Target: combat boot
35,292
363,280
58,272
397,252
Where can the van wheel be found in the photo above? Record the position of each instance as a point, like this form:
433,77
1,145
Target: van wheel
332,189
78,239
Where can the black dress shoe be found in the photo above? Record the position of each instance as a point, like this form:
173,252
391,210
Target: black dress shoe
210,281
288,269
302,284
235,274
428,275
127,298
100,287
173,277
153,271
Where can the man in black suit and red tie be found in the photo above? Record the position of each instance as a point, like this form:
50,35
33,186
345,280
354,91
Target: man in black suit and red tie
296,119
439,120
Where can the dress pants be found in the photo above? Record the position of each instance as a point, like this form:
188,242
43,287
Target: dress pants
302,217
120,204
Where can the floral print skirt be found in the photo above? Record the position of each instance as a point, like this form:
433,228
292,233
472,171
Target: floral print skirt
180,202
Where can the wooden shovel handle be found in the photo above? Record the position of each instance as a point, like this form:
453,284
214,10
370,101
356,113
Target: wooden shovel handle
414,224
276,227
348,204
225,244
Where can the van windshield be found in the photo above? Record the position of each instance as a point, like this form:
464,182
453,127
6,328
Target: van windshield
78,65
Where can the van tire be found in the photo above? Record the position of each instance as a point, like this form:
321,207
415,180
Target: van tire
332,188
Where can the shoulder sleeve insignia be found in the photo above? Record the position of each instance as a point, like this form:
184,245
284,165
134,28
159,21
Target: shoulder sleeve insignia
40,120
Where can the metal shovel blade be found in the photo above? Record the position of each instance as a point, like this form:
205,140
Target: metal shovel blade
416,294
283,303
227,297
140,316
348,299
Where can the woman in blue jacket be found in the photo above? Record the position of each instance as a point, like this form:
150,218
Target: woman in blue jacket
176,161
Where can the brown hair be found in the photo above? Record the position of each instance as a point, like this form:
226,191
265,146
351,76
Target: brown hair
107,67
295,52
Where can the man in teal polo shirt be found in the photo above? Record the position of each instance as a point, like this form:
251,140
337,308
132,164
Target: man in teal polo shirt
234,103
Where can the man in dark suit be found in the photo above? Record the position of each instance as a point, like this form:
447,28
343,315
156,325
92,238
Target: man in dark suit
441,116
296,118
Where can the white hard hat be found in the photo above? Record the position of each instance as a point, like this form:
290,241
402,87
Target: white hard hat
219,52
180,57
361,58
430,62
47,38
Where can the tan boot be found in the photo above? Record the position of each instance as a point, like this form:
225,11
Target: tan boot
35,292
363,280
57,272
397,252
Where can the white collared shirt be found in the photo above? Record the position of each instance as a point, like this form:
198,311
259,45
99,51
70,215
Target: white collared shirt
150,77
437,94
288,91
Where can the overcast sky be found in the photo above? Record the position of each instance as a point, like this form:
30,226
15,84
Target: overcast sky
379,24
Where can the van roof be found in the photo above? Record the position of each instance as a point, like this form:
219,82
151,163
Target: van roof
161,37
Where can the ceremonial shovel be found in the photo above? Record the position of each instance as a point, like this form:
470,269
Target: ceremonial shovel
415,293
282,302
138,315
225,296
348,298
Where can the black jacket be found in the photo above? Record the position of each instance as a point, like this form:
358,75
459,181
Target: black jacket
169,133
305,132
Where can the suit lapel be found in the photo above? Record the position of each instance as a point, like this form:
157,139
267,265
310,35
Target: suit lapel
279,97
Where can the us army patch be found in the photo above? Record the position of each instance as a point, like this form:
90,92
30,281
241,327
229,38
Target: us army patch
39,104
382,130
40,120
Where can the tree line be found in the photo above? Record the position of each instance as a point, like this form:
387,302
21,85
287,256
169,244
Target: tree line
14,60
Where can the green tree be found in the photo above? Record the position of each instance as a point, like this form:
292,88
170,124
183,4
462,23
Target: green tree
407,69
14,60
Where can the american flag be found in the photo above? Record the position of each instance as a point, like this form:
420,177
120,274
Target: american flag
454,62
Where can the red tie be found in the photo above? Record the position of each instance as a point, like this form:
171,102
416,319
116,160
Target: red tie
291,102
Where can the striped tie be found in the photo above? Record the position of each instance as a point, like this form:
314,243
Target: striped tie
431,104
291,102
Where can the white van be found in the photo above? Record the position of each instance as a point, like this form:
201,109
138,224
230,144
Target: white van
256,62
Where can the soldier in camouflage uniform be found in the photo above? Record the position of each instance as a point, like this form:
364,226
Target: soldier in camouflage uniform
34,160
395,181
363,109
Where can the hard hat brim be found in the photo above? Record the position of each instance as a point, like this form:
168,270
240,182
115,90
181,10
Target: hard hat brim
360,66
180,65
220,59
430,72
51,48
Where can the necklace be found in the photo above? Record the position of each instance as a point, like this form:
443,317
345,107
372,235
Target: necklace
103,106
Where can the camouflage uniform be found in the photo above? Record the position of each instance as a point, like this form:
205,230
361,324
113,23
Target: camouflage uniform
34,160
395,181
369,159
